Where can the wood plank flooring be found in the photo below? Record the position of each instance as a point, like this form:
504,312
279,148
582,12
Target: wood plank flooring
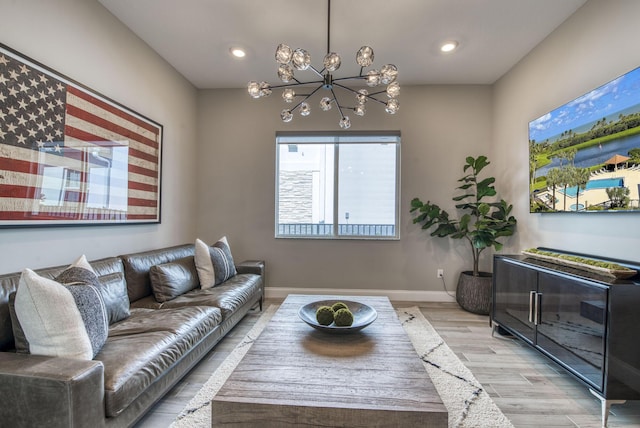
530,390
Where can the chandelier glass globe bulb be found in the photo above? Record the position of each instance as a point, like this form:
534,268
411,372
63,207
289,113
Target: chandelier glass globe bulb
373,78
325,104
285,73
393,90
361,96
305,110
392,106
388,73
345,122
360,110
301,59
288,95
364,57
286,115
283,54
254,89
265,89
332,61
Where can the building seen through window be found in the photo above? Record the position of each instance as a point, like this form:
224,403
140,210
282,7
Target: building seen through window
338,185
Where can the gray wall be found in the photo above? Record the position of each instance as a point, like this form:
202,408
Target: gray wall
440,126
597,44
84,41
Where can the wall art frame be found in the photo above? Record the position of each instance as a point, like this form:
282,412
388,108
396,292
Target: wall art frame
70,156
584,156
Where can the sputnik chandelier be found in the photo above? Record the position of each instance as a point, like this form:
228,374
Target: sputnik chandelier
290,60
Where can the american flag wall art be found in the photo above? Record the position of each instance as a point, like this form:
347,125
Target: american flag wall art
70,156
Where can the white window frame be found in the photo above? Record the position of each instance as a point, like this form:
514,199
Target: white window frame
321,137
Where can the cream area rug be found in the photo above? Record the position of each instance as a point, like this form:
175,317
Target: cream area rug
468,403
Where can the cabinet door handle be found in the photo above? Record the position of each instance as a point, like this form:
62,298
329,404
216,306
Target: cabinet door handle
532,299
538,309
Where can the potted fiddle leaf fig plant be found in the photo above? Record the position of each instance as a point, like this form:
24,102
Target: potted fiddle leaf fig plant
481,223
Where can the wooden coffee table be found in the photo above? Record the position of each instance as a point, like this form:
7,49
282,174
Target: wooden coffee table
295,375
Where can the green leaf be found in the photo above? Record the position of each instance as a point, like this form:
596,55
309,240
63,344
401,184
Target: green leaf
420,218
480,163
487,182
486,191
464,221
461,197
416,203
443,230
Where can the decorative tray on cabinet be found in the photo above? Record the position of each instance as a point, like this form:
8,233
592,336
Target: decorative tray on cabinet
612,270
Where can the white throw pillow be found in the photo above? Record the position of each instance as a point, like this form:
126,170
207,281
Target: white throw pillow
50,319
82,262
214,264
204,265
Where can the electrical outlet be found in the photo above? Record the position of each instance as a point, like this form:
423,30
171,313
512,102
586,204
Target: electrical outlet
440,273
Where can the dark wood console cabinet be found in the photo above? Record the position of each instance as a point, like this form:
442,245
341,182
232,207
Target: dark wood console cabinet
589,324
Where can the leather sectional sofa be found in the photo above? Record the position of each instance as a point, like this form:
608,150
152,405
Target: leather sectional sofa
144,356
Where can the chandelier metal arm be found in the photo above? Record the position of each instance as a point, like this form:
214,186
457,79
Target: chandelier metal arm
350,78
337,103
315,70
370,96
289,85
306,98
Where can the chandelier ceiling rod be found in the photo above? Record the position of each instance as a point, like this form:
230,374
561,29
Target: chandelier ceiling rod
290,60
328,26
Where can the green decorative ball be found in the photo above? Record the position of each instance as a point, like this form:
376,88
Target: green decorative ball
324,315
339,305
343,317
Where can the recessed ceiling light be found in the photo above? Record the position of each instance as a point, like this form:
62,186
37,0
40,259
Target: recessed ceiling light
449,46
238,52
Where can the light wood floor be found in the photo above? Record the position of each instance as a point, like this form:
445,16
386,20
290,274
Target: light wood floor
530,390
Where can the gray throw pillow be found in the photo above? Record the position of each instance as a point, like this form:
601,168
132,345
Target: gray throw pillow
170,280
85,289
20,340
223,264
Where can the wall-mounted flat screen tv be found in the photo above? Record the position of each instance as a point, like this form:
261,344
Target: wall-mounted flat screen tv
585,155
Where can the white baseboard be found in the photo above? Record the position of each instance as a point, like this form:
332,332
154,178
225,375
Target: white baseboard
396,295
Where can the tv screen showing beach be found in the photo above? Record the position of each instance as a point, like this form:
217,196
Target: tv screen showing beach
585,155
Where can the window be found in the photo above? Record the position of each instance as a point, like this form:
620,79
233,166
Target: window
337,185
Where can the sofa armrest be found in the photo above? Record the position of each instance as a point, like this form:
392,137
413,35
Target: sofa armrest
54,392
252,266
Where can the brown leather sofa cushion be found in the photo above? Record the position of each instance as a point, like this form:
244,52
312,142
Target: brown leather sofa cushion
114,292
137,267
143,347
170,280
228,296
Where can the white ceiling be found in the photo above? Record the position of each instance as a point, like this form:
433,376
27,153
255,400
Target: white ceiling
195,35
